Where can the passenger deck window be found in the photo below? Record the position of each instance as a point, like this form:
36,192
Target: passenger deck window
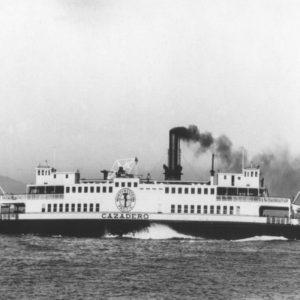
54,207
67,208
199,190
104,189
167,190
173,190
110,189
205,209
212,191
97,207
218,209
198,209
172,208
179,208
225,210
73,189
79,207
135,184
85,189
129,184
116,184
205,191
91,207
123,184
185,209
192,209
49,208
231,210
73,207
60,208
67,189
192,191
79,189
92,189
85,207
179,190
186,190
98,189
212,209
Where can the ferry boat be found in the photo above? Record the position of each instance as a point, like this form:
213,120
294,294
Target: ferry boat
225,206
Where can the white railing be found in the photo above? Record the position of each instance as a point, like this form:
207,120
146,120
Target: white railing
24,197
277,220
252,199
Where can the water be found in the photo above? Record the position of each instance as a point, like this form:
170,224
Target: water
155,264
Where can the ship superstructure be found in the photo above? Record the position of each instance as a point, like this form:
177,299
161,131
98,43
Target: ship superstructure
226,205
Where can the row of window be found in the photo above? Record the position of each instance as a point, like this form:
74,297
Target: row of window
205,209
187,190
89,189
72,207
123,184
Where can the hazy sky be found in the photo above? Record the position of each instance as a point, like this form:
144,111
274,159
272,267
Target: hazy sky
101,80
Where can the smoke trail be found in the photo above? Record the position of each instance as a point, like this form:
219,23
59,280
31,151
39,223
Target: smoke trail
221,146
280,170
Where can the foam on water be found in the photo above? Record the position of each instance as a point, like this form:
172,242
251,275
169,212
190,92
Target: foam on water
262,238
154,232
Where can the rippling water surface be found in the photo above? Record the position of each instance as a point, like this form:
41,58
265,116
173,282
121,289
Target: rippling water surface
156,264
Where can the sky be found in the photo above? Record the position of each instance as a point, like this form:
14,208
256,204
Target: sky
103,80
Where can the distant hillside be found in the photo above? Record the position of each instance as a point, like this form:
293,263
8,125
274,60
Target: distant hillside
12,186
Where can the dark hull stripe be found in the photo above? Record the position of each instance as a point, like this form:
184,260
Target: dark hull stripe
98,228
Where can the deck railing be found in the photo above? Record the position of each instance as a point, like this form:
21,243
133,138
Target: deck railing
277,220
252,199
32,197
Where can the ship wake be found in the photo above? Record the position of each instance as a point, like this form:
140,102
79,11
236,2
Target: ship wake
263,238
154,232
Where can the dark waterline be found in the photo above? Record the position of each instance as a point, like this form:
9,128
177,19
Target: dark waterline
34,267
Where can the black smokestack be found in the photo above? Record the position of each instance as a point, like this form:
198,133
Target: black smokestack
173,170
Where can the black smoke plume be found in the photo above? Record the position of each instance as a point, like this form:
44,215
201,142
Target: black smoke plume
281,171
